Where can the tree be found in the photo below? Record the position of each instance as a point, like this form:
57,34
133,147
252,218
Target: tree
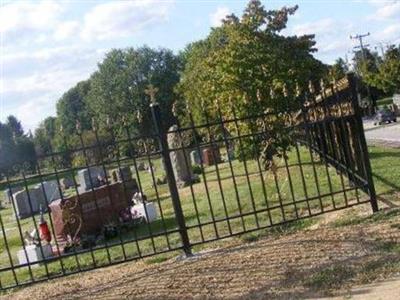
15,126
339,69
245,57
239,64
7,149
16,149
366,62
45,135
72,107
118,88
25,153
387,76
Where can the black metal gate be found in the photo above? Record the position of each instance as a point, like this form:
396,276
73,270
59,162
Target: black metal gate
73,211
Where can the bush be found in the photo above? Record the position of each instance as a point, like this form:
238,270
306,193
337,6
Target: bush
197,169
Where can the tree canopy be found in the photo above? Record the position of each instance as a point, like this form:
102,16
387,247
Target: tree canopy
237,67
244,59
118,88
386,76
16,148
339,69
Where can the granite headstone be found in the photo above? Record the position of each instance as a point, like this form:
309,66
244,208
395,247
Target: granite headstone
88,178
179,159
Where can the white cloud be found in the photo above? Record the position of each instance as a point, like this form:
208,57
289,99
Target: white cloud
56,80
38,64
386,10
119,19
19,16
35,110
391,33
220,14
332,36
323,26
65,30
35,80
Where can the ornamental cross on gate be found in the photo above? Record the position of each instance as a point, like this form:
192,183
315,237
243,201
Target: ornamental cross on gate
151,91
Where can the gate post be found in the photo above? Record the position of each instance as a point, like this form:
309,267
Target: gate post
156,113
363,143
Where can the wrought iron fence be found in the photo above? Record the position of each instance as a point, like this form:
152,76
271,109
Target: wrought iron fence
116,197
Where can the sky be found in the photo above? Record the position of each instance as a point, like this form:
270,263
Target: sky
46,47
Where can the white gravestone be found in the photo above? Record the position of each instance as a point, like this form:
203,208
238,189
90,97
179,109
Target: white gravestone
139,211
195,157
34,254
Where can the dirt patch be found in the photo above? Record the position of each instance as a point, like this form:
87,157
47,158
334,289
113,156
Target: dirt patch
308,263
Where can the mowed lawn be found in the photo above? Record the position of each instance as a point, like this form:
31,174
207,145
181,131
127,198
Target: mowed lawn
222,204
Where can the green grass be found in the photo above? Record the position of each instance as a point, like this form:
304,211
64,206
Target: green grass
330,277
384,101
385,163
214,201
279,229
352,219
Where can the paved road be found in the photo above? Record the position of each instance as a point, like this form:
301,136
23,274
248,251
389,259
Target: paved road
388,134
386,290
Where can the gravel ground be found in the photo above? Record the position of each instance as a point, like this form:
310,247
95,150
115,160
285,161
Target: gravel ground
275,266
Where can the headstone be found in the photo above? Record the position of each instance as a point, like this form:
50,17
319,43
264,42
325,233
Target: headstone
9,192
66,183
23,208
195,157
51,190
124,174
231,151
211,156
151,169
89,178
147,211
180,162
162,180
141,166
87,213
34,254
121,174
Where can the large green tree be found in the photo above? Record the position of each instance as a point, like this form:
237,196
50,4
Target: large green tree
7,149
366,62
45,135
16,148
244,59
118,88
339,69
72,108
15,126
387,75
240,64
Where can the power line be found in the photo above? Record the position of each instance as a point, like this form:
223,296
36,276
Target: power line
362,47
360,37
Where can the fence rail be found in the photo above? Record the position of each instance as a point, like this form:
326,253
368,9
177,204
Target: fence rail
117,197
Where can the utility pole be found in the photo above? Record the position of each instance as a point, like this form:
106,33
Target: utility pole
362,47
360,37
